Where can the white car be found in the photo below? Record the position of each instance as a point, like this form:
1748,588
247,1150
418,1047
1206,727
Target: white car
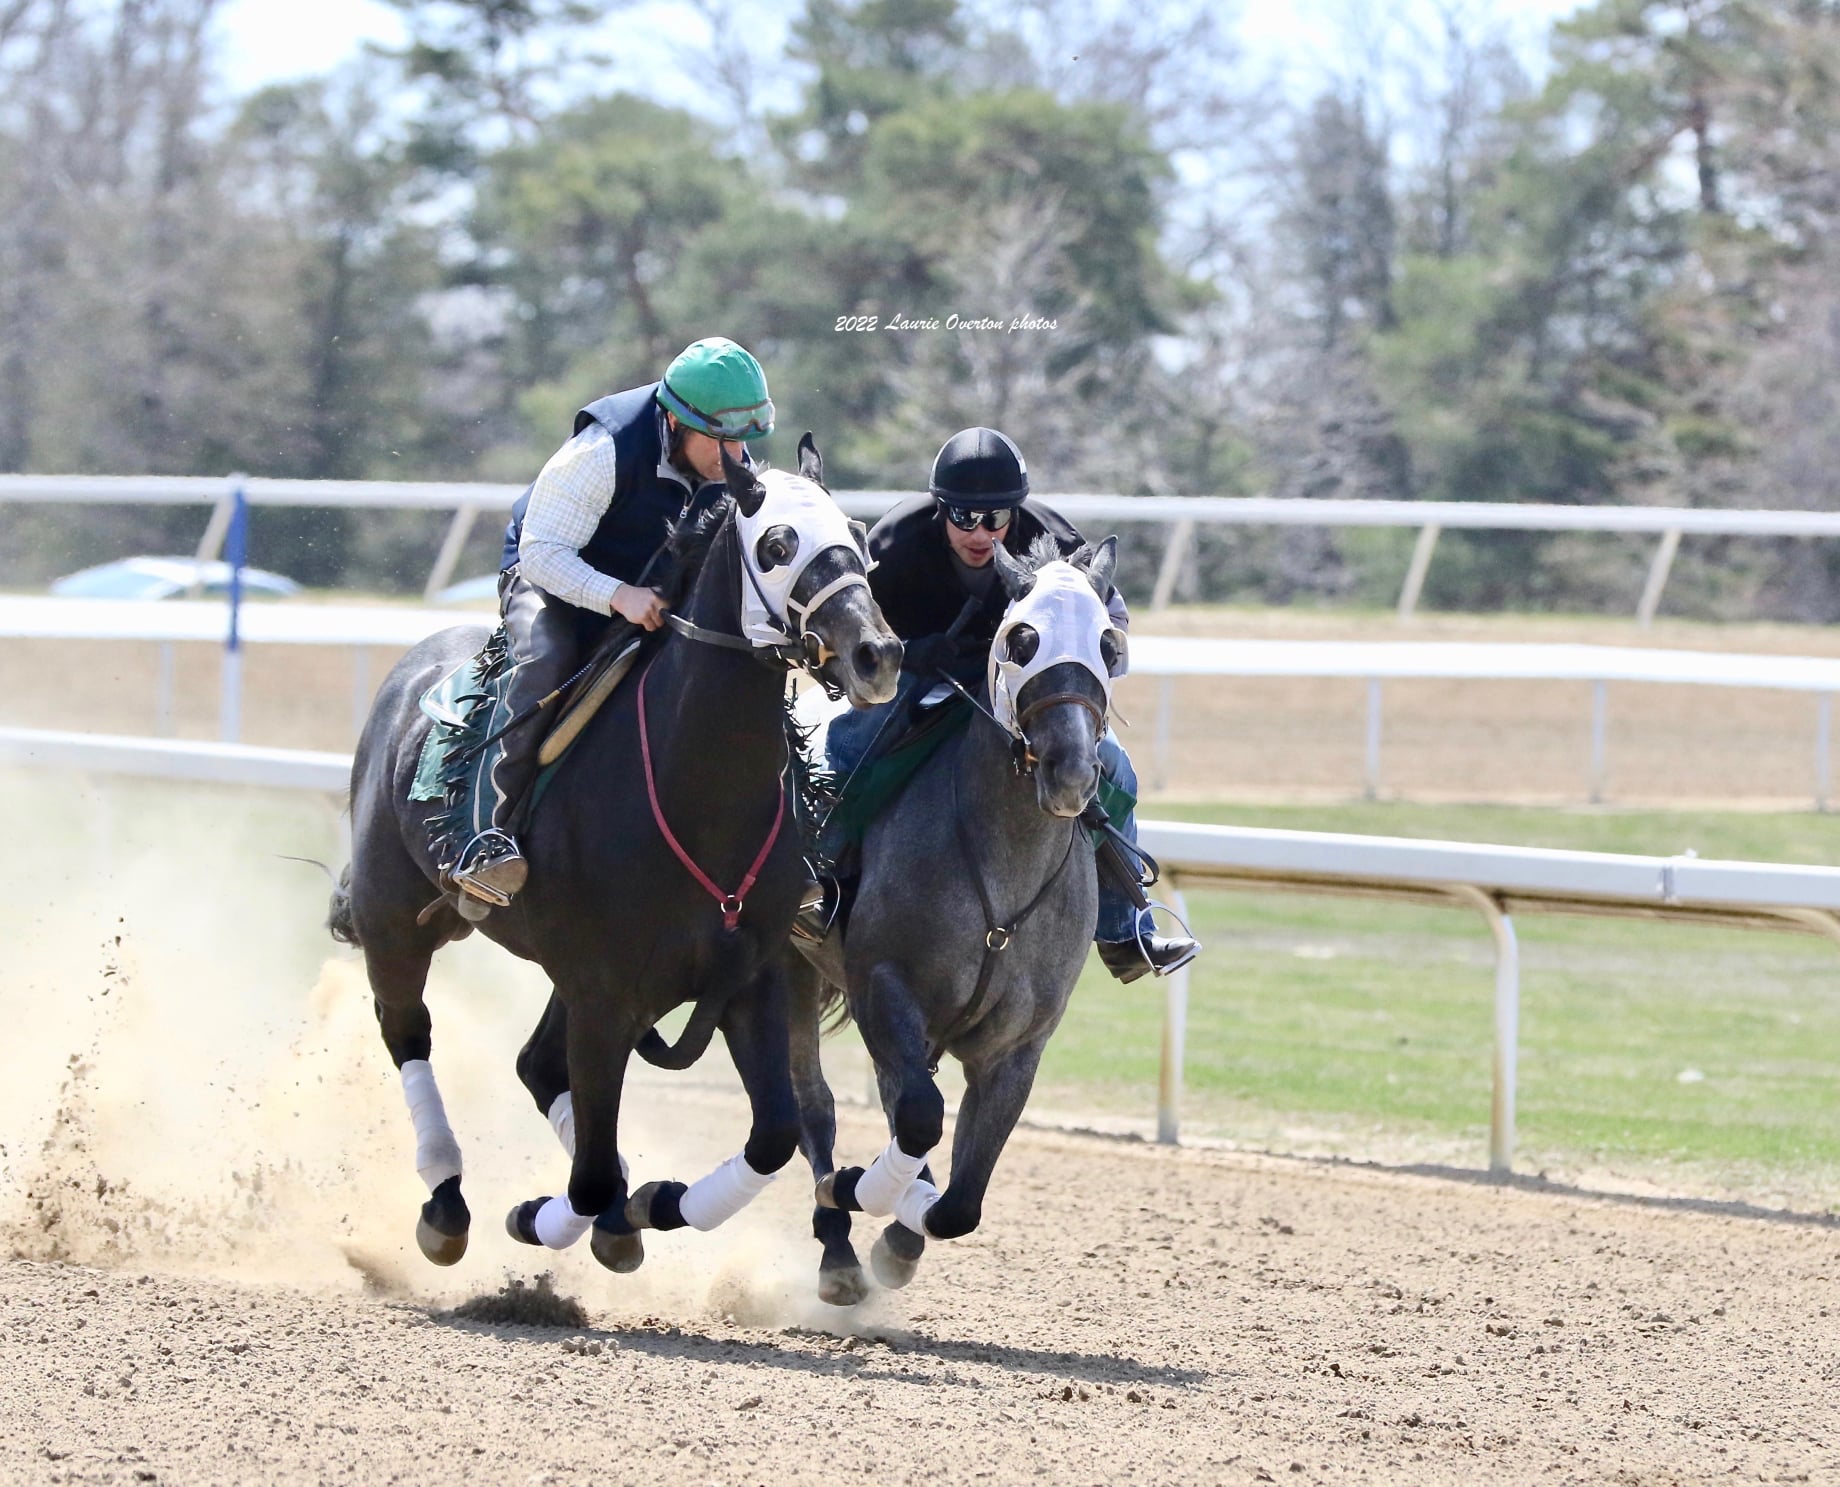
169,578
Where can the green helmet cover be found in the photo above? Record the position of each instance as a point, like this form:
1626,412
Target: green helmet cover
717,388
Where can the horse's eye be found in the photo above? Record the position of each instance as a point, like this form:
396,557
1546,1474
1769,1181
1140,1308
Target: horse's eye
1022,643
777,545
1111,651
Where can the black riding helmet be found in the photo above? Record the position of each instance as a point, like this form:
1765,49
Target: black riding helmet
980,469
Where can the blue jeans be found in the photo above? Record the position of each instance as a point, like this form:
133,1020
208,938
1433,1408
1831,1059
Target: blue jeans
849,738
850,734
1117,919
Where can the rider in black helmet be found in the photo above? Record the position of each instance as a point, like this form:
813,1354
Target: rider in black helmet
930,557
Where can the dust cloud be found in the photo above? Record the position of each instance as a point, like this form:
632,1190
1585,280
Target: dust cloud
195,1083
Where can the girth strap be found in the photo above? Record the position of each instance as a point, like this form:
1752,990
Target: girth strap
997,936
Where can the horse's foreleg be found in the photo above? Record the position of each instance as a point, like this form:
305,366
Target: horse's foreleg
995,1092
754,1027
592,1072
398,977
840,1275
894,1029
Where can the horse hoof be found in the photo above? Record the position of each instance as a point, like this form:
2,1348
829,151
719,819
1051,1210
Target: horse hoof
443,1249
521,1222
442,1229
892,1269
639,1205
846,1285
620,1253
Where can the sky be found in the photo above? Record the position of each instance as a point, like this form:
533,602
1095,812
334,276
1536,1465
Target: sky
277,40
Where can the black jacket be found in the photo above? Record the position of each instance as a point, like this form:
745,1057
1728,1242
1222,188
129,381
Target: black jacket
918,587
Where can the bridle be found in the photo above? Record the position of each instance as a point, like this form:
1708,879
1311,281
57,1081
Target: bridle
797,650
1023,758
801,647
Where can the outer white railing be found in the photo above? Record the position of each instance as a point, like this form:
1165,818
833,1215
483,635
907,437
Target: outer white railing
363,627
1497,881
467,500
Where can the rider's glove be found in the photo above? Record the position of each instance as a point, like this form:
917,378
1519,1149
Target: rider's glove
929,655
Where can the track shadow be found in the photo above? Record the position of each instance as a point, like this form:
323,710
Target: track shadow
1475,1176
1720,1207
881,1354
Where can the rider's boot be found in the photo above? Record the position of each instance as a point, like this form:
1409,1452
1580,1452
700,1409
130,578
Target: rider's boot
824,907
540,639
1147,951
1122,874
491,869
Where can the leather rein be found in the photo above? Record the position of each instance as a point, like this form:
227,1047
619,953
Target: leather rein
794,653
997,934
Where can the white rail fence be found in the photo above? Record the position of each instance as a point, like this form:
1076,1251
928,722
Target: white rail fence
383,627
1497,882
466,501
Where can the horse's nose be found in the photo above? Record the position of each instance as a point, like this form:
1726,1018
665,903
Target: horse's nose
1067,784
873,657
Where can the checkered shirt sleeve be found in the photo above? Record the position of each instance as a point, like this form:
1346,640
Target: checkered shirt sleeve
569,500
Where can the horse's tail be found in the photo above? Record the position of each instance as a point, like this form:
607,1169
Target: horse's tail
833,1006
338,917
693,1042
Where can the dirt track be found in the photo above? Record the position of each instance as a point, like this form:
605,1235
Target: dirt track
1126,1313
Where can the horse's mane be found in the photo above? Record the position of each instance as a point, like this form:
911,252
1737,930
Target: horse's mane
686,547
1042,551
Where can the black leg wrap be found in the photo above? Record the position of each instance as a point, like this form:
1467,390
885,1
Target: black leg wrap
843,1188
521,1222
655,1206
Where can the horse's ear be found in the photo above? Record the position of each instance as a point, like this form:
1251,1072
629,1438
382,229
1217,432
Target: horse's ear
811,463
861,533
1102,565
1016,579
743,485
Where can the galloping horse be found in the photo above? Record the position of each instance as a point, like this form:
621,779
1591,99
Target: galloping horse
659,874
976,907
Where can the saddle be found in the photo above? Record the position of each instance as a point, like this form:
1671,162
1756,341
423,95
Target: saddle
465,697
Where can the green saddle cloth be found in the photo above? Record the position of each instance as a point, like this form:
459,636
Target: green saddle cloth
883,776
455,703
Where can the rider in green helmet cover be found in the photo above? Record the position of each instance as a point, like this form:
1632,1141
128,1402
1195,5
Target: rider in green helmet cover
578,540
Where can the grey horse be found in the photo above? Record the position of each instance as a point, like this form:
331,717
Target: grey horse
977,903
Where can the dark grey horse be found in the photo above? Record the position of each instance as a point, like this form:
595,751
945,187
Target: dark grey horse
976,907
613,911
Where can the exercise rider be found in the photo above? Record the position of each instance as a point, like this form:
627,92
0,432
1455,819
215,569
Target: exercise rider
579,539
928,557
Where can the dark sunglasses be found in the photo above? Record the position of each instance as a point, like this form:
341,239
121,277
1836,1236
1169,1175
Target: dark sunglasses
967,520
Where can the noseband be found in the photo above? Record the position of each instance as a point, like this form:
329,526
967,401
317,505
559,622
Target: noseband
802,648
1022,749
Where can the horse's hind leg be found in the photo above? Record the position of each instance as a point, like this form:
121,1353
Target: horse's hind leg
397,967
543,1067
754,1027
840,1275
598,1048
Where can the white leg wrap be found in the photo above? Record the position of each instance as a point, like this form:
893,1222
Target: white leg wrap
723,1193
889,1176
558,1225
915,1202
562,1120
437,1154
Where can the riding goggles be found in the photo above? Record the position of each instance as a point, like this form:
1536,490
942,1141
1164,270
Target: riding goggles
967,520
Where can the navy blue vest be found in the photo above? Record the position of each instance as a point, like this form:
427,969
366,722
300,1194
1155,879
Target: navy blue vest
644,502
